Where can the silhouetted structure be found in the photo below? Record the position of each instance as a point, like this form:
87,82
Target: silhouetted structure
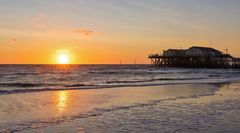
195,57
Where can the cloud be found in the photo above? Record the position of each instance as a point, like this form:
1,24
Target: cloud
86,32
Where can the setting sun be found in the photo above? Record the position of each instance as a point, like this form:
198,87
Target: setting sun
63,59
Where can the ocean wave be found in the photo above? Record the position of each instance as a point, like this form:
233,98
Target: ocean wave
78,85
28,85
24,84
41,88
151,80
214,75
126,72
83,87
14,91
23,73
36,87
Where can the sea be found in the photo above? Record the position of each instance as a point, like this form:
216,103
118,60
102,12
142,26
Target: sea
31,78
118,98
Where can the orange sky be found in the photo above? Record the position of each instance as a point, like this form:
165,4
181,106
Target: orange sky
94,32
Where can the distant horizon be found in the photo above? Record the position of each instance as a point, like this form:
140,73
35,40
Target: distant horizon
122,63
77,64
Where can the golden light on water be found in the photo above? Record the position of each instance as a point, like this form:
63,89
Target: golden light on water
62,98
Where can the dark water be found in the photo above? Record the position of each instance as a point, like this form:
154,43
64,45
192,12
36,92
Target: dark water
28,78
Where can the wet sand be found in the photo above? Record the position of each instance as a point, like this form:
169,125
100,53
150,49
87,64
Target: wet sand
171,108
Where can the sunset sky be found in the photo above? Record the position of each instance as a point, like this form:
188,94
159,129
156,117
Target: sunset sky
107,31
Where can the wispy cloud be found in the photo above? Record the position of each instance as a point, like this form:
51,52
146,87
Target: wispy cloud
87,32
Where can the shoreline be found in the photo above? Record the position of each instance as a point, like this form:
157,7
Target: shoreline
83,104
209,113
97,87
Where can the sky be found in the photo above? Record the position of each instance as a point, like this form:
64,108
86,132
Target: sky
107,31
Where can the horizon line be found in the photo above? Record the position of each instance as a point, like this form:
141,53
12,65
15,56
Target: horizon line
71,64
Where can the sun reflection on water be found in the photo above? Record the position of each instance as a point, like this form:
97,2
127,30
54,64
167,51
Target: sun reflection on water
62,98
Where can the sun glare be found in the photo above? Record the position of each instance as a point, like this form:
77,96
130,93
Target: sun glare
63,59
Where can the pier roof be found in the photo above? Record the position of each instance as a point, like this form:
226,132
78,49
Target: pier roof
207,49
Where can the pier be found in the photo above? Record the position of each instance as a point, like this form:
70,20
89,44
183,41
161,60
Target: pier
194,57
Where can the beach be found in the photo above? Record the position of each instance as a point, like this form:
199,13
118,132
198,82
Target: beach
195,108
90,99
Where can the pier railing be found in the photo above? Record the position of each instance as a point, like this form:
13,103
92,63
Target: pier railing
154,55
228,62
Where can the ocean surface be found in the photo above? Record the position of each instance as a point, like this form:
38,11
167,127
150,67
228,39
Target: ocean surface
31,78
118,98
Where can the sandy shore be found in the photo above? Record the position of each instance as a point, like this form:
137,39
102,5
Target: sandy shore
171,108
